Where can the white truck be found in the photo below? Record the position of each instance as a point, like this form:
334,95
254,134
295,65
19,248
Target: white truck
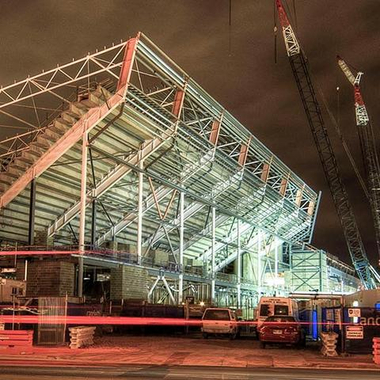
269,306
219,321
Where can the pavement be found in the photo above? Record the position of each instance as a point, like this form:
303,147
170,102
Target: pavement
181,351
146,372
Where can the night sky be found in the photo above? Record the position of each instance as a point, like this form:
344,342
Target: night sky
234,64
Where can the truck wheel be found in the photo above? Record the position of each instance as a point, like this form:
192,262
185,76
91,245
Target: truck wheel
205,335
262,344
233,336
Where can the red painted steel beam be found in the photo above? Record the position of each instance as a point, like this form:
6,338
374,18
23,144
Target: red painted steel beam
244,153
284,184
126,67
282,14
177,104
214,135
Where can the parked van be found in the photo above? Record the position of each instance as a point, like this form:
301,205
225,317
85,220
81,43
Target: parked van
269,306
216,320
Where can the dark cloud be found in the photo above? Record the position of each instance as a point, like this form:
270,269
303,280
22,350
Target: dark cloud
241,75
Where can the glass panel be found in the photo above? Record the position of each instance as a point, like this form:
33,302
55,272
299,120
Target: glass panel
221,315
281,310
264,310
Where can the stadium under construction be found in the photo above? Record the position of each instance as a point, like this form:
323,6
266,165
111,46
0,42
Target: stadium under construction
134,183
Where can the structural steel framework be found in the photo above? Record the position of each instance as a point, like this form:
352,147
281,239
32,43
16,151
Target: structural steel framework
123,147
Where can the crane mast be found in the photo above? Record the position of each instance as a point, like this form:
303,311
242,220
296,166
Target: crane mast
367,142
299,65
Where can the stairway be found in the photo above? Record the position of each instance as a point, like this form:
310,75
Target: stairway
51,135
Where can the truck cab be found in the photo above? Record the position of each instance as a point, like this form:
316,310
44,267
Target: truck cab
269,306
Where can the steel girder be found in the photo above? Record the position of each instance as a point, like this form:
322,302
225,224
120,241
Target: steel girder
202,150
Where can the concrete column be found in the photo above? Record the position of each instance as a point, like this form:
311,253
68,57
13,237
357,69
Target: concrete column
129,282
50,278
181,232
82,219
213,274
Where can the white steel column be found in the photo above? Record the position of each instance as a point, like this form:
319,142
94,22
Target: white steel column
238,264
140,212
82,219
213,256
259,247
181,231
276,260
276,264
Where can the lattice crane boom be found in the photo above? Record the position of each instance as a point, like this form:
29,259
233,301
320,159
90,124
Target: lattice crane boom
360,108
367,142
299,65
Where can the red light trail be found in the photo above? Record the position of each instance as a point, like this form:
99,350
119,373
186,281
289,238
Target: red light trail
143,321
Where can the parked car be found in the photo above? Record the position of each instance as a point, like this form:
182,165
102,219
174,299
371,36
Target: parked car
282,329
219,321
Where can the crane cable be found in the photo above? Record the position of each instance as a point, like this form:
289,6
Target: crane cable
335,123
275,30
295,15
229,26
371,135
342,140
360,178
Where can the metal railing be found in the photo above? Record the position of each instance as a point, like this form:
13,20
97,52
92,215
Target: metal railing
123,257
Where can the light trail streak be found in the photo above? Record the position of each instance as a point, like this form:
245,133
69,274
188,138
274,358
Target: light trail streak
147,321
97,320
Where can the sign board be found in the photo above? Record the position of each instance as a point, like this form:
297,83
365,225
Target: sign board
354,313
354,332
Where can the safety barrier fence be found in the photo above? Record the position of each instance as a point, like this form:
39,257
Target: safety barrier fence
12,338
376,350
329,341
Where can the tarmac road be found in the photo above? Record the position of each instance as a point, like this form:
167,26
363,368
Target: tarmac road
180,372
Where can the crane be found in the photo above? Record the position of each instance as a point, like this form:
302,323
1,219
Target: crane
299,65
367,143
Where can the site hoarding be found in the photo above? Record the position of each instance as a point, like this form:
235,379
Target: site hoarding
361,325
